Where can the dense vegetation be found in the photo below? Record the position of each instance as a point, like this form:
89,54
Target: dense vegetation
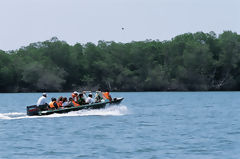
188,62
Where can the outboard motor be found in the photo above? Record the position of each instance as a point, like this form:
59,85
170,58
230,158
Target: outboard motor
32,110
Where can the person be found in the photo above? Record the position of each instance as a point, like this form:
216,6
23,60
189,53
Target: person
65,102
53,104
42,102
75,96
98,96
81,99
73,102
59,101
89,99
70,102
107,96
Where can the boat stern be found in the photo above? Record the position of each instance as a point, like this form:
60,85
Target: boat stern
32,110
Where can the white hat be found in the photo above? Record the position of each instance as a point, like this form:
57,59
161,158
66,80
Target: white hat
44,94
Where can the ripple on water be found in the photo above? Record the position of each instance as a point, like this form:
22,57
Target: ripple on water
191,125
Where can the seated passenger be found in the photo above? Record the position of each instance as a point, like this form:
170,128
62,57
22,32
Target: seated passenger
89,99
53,104
107,96
65,102
70,103
42,102
81,99
75,96
59,101
42,99
73,103
98,96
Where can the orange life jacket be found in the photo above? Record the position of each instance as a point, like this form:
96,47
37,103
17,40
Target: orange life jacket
107,96
51,105
59,104
75,97
75,104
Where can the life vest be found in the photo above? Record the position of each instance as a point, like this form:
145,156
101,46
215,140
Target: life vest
59,104
107,96
75,97
75,104
51,104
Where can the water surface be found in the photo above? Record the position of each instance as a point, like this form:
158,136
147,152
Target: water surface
192,125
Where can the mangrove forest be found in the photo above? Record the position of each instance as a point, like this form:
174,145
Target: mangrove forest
188,62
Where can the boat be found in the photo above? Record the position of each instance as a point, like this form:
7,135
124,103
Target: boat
34,110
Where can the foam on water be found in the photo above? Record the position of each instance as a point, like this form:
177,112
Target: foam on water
13,115
108,111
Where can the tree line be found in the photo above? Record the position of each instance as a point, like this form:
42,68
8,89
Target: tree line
188,62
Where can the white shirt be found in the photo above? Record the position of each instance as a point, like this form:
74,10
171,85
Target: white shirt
89,100
41,101
65,104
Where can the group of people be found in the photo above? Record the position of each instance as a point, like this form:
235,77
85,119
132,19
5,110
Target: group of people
77,99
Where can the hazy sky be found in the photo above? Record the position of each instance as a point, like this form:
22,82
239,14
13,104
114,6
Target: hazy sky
27,21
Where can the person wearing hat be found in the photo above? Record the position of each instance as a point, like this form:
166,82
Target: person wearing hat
75,96
42,102
89,99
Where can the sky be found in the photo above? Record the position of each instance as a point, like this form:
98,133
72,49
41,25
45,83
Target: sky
80,21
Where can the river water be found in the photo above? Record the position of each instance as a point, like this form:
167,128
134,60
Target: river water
148,125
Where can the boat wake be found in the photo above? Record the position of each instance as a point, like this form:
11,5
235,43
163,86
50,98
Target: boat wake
108,111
